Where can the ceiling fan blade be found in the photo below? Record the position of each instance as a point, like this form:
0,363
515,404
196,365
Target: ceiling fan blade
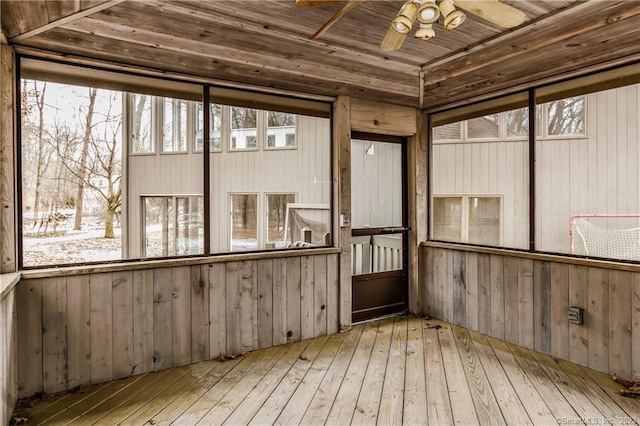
392,40
313,3
493,11
346,8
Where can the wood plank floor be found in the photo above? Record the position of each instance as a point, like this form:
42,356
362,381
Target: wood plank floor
401,370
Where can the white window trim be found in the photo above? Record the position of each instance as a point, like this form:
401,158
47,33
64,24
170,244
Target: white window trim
464,212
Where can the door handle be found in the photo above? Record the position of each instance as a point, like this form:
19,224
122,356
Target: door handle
395,230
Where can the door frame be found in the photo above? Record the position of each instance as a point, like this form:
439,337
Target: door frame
403,141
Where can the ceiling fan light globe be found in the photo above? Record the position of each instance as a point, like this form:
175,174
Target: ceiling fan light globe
428,13
402,24
425,32
454,20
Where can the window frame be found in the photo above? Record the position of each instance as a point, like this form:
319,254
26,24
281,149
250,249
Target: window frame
231,218
130,81
543,126
265,215
464,215
257,129
266,146
534,97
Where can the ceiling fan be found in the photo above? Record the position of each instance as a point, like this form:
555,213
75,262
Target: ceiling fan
427,12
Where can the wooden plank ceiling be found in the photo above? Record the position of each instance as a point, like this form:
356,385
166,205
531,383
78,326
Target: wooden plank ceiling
266,43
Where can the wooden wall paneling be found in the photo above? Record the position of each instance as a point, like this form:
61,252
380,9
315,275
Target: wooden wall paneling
54,334
123,343
438,283
8,354
249,305
418,194
559,310
162,318
426,280
78,331
341,151
598,318
497,297
233,307
293,298
218,301
542,306
143,307
29,309
307,285
484,293
447,285
12,375
471,284
435,272
101,327
199,281
181,307
4,360
8,261
279,302
578,297
511,305
4,357
373,117
320,295
459,289
635,327
526,322
620,323
265,303
333,322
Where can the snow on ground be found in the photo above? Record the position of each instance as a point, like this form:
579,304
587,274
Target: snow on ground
72,247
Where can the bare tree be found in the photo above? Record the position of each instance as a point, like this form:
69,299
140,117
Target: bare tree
99,165
64,140
81,173
42,152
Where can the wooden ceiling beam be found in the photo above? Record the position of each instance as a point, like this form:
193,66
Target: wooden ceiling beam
221,18
154,41
66,20
500,41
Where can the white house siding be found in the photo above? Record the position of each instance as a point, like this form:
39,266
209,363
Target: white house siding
376,184
163,174
593,175
304,171
488,168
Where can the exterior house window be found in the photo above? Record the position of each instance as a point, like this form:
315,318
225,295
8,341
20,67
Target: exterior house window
276,218
565,117
174,125
517,123
448,132
281,130
468,219
561,118
513,124
487,127
244,126
215,117
141,124
244,222
134,185
172,225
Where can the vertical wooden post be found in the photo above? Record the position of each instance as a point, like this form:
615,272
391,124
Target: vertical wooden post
342,201
7,160
417,193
